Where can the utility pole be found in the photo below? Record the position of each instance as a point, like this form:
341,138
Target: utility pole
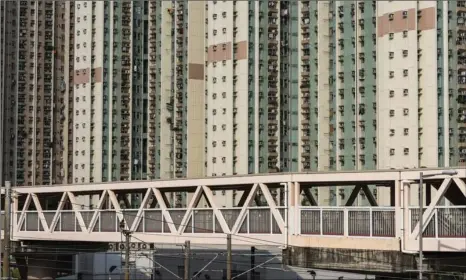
127,235
421,225
229,257
6,231
2,250
187,256
253,263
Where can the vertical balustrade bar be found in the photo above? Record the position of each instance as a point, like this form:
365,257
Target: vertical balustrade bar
371,221
345,222
321,221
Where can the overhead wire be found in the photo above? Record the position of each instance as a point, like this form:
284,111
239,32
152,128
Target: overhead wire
239,236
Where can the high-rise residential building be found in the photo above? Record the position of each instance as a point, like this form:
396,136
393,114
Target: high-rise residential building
32,92
118,90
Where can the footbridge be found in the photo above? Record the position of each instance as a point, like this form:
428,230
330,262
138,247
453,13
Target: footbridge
259,216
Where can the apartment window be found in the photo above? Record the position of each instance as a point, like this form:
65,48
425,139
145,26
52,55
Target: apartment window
224,46
405,92
77,139
390,17
391,55
85,5
391,36
214,143
405,34
214,127
224,111
84,112
78,32
405,53
76,166
214,96
83,139
224,62
77,99
392,152
224,143
406,151
84,44
405,14
224,94
215,32
224,14
85,18
214,112
405,111
392,132
77,60
224,30
224,159
76,153
406,131
391,74
224,78
224,126
77,46
405,72
214,160
214,80
214,16
392,113
392,93
84,31
77,112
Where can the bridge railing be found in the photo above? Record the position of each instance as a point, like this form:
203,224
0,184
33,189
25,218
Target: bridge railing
257,220
348,221
446,222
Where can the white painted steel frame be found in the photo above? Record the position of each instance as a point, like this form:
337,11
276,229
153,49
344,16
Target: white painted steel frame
402,180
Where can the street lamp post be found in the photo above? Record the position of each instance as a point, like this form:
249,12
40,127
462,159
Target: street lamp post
421,209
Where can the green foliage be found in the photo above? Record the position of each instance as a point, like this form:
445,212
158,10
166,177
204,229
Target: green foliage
15,274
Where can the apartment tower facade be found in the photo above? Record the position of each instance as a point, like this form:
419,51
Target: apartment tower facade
117,90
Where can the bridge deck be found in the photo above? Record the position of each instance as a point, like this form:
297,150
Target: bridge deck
279,221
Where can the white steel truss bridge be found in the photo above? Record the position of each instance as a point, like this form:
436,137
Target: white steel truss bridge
259,216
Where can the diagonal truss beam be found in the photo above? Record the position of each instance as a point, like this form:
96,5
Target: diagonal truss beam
138,218
55,219
273,207
310,196
217,213
166,216
22,217
428,214
461,185
100,205
369,195
116,205
77,212
191,205
244,209
353,195
40,213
